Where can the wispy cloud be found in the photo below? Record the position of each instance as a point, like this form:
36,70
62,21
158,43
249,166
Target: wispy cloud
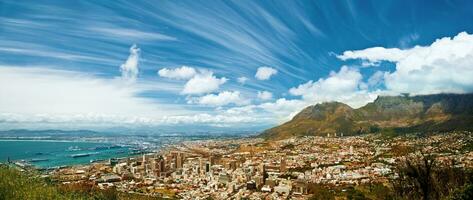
125,33
44,52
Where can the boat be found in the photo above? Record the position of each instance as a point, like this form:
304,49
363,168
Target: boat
38,160
73,148
97,160
80,155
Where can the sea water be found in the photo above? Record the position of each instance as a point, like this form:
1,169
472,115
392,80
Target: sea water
50,153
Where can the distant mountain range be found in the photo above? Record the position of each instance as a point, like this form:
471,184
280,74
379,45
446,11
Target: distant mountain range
118,132
395,114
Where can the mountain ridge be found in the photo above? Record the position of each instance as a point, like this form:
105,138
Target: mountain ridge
433,113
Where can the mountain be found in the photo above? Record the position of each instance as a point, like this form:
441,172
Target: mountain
402,114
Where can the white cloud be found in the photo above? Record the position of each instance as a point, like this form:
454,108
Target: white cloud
221,99
46,95
284,109
375,54
66,99
407,40
43,51
130,69
181,73
205,118
265,73
242,110
242,80
343,86
203,82
376,79
265,95
278,111
199,81
124,33
444,66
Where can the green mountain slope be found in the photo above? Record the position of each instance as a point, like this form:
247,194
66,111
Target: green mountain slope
439,112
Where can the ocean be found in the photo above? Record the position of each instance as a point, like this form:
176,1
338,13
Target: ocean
53,153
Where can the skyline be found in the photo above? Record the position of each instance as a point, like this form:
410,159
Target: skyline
225,64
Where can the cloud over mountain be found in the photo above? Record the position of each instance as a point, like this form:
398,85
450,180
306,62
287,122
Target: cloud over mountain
344,86
445,66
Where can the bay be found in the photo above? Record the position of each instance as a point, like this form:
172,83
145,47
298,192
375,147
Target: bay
50,153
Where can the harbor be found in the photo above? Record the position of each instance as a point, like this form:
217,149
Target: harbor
54,154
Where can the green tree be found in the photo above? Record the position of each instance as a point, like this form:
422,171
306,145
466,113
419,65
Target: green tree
421,176
354,194
464,193
320,192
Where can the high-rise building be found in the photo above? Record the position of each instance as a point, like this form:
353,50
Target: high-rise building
212,160
179,160
207,167
282,165
204,165
158,166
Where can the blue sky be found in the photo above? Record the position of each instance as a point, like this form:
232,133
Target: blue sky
243,65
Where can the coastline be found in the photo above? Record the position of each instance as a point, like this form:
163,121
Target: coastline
52,154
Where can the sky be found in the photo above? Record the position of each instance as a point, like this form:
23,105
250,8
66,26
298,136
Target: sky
221,65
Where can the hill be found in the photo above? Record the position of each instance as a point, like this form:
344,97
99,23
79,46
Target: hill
401,114
29,185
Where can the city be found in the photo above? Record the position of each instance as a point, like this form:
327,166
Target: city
256,169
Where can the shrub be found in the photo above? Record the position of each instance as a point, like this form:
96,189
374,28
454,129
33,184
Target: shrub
421,176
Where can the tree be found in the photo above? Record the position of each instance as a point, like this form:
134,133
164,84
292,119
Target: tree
320,192
421,176
354,194
465,193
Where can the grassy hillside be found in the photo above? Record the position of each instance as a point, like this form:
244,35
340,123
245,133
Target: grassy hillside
441,112
20,185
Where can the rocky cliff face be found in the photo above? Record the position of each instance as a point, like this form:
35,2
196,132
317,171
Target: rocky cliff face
426,113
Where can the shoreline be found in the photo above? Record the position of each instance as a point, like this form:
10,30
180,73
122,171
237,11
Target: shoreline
48,140
159,150
59,157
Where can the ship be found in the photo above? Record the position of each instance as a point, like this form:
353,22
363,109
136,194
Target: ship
97,160
73,148
80,155
38,160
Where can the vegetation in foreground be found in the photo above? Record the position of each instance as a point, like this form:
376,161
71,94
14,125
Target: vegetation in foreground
419,176
20,185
